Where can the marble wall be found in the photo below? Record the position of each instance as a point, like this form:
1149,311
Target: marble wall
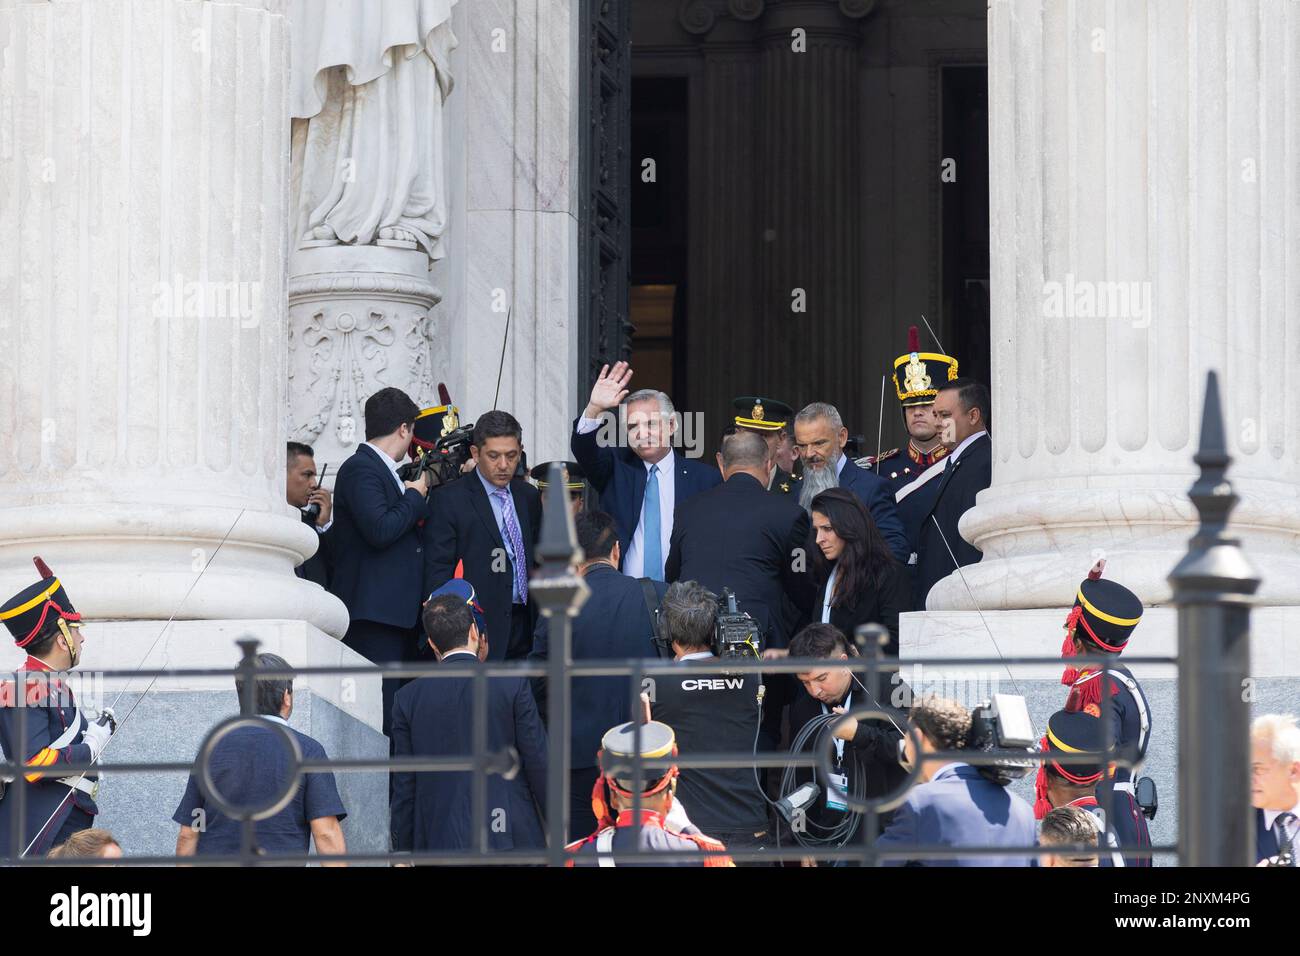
512,238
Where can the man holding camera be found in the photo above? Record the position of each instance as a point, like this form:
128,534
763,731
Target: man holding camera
712,712
954,805
375,543
488,522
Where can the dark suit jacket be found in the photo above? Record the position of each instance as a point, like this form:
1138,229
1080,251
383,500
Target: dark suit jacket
378,557
317,567
619,477
880,605
1265,839
959,808
738,536
612,624
946,499
874,492
462,527
873,749
433,716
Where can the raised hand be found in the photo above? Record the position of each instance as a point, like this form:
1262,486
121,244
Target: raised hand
610,389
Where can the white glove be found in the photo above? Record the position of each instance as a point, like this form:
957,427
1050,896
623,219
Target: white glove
112,718
96,737
677,821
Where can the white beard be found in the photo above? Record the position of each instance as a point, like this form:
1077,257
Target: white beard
817,480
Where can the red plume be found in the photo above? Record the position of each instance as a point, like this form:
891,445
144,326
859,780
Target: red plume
913,339
1095,573
42,568
444,396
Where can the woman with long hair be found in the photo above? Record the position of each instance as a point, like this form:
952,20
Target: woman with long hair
857,578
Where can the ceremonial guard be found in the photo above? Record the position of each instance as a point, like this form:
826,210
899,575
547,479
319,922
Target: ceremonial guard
1099,624
663,826
770,418
917,376
574,482
44,623
1074,784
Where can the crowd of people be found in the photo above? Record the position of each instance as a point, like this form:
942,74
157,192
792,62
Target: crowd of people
429,539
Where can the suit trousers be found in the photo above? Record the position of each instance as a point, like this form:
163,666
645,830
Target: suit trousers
520,642
383,644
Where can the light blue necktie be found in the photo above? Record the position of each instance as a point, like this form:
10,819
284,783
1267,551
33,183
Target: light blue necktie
654,558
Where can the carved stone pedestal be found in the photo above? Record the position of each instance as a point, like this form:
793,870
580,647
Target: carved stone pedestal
358,322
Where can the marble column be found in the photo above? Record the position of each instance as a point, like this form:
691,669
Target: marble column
143,162
512,238
1145,203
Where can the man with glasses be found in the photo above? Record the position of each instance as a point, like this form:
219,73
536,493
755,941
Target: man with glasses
488,522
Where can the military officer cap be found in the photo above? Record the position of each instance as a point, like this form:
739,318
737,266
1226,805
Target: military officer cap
762,414
431,425
918,375
1104,614
1076,733
35,610
573,475
619,745
459,587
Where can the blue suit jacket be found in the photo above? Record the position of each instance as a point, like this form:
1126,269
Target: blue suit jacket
619,476
378,559
874,492
613,624
433,716
960,808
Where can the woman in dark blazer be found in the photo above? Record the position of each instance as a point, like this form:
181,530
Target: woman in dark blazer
858,580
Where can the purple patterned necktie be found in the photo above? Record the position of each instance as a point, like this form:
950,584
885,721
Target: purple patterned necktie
516,541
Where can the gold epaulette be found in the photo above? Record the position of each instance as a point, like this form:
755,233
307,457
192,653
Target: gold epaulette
870,460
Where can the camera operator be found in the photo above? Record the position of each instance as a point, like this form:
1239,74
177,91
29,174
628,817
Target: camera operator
378,557
866,751
955,805
712,712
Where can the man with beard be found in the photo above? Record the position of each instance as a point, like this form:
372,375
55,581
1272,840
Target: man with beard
819,437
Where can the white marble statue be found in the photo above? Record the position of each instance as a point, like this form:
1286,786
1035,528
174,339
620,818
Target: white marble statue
369,80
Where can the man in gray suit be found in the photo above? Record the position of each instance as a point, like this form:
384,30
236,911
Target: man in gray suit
955,805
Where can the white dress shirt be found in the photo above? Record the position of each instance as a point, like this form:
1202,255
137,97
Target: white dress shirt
956,452
1270,817
828,594
392,465
634,560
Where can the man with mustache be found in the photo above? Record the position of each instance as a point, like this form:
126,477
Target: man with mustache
819,437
